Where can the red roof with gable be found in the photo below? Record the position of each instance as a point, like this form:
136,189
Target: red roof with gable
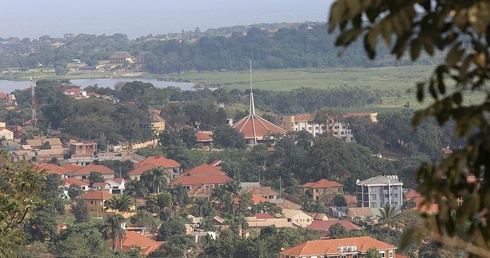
3,95
202,137
204,170
132,238
94,168
50,169
142,169
70,167
304,117
323,183
73,90
160,161
330,246
74,181
96,195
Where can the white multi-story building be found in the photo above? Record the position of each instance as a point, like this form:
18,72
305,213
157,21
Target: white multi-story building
306,122
378,191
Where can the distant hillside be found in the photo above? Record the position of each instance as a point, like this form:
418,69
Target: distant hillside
270,46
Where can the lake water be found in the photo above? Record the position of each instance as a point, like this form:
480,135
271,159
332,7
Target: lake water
9,86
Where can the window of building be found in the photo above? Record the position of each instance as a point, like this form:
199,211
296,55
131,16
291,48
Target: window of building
391,253
395,195
91,202
382,254
373,205
373,197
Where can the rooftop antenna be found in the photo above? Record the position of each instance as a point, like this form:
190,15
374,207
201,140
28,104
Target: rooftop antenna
33,94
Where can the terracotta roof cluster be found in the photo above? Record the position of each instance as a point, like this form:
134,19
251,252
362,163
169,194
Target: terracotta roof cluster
324,225
332,246
96,195
350,199
94,168
197,181
304,117
71,167
132,239
420,202
255,199
323,183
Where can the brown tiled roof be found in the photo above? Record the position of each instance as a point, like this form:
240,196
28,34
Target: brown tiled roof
153,118
263,216
330,246
323,183
3,95
71,167
262,127
142,169
94,168
324,225
204,170
72,180
412,194
195,181
350,199
132,238
50,169
258,199
202,137
96,195
160,161
259,190
99,184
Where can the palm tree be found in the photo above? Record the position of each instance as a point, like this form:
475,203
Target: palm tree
179,194
387,215
154,179
223,197
112,229
200,205
120,203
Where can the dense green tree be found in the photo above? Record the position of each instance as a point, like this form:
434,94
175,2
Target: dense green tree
155,179
143,218
180,245
373,253
121,203
95,177
172,226
337,231
80,240
41,227
227,137
80,210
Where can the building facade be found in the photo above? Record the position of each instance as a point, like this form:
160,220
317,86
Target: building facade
307,123
378,191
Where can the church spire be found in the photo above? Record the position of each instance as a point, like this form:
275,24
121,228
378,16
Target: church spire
252,104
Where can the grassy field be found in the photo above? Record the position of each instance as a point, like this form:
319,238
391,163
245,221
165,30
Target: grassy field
396,84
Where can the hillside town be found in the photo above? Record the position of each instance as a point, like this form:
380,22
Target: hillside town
168,206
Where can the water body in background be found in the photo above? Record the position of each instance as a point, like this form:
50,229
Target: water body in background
10,86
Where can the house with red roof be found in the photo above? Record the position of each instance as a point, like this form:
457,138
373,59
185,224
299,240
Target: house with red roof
84,172
95,201
323,226
133,239
52,169
204,139
73,181
76,93
202,176
101,186
342,247
323,189
170,167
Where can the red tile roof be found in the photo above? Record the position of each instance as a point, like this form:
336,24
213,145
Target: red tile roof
304,117
3,95
71,167
94,168
323,183
202,137
96,195
99,184
132,238
204,170
115,180
324,225
263,216
73,90
195,181
258,198
350,199
50,169
262,127
142,169
331,246
74,181
160,161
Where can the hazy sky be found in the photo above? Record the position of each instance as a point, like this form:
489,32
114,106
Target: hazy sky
35,18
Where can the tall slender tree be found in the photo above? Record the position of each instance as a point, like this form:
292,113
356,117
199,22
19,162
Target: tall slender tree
112,229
